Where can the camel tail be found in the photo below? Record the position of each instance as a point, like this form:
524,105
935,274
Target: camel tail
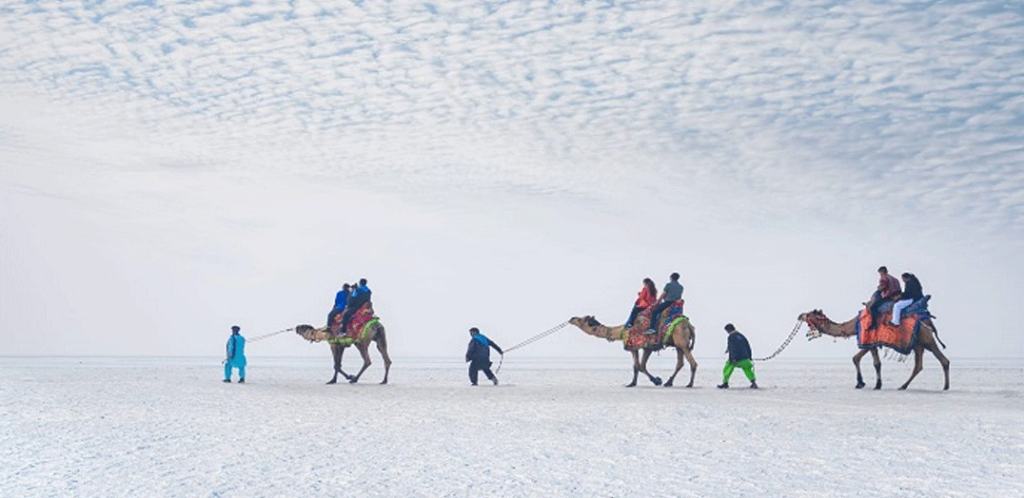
935,331
937,338
693,336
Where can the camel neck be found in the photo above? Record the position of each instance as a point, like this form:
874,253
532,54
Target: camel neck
605,332
845,329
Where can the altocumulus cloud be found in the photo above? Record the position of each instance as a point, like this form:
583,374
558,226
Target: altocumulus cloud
841,103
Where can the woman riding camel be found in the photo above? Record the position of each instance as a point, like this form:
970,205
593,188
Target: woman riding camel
645,299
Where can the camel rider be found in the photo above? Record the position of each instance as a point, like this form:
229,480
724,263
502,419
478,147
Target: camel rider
339,303
645,299
672,293
911,292
888,290
360,296
235,356
478,354
739,356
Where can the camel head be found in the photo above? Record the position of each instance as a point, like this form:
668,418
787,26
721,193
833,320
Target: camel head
585,323
815,320
310,333
590,326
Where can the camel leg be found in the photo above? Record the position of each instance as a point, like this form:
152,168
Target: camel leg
364,351
877,360
636,367
643,368
856,363
918,366
942,360
336,355
693,365
679,366
341,354
382,346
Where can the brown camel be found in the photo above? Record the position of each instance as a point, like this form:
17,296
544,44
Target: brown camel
927,338
374,334
682,337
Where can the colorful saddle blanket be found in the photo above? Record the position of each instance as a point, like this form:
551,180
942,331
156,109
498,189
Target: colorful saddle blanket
635,337
901,338
360,324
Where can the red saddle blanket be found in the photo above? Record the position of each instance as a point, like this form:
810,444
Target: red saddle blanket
902,338
360,318
635,337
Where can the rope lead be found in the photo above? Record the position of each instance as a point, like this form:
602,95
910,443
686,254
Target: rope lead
264,336
796,328
529,341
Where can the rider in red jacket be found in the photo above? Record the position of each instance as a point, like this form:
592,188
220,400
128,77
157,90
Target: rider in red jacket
646,298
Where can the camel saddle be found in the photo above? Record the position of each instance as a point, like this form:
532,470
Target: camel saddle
901,338
358,325
635,337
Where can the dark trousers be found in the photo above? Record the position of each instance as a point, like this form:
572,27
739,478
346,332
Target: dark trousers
476,366
656,313
330,317
350,309
873,306
632,315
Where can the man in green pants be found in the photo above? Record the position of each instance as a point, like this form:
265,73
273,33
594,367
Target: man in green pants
739,356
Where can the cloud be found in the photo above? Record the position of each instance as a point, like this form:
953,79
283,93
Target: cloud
920,104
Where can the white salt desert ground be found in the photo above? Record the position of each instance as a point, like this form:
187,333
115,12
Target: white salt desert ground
169,427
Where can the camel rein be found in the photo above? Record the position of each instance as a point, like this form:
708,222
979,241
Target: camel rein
264,336
796,328
529,341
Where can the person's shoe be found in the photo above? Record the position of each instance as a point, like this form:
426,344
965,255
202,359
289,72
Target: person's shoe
723,386
753,384
241,381
495,381
226,381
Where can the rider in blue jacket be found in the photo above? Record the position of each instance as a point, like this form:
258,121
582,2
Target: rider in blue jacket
360,295
340,300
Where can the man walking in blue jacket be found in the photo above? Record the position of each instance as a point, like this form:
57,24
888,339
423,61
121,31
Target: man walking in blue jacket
235,355
478,354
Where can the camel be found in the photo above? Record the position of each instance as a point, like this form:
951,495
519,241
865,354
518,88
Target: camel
374,334
683,337
927,339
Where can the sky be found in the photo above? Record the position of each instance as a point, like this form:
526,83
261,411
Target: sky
169,169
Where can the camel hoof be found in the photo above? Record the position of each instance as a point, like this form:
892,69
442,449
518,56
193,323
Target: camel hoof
353,380
945,388
668,384
384,382
689,385
631,384
656,381
903,388
878,388
860,385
